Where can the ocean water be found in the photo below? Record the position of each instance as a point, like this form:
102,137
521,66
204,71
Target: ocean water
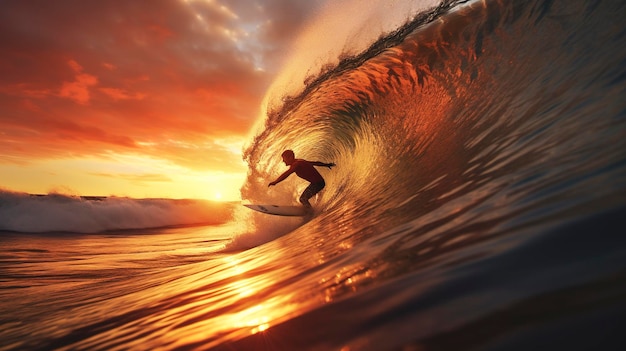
478,203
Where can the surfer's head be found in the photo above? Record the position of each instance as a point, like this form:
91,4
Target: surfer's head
288,157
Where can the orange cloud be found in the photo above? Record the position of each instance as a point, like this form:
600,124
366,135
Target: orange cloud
78,90
166,80
120,94
148,177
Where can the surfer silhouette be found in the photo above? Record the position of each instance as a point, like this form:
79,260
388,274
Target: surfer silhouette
305,170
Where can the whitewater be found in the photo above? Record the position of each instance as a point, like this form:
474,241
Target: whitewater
478,203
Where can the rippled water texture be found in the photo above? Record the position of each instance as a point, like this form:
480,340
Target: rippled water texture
478,203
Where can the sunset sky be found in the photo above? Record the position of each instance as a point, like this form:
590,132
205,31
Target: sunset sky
140,98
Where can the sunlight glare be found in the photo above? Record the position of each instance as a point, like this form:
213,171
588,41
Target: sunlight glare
124,175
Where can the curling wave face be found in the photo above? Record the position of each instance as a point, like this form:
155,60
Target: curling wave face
479,104
478,202
481,139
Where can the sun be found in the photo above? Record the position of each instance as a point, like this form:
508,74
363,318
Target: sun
218,196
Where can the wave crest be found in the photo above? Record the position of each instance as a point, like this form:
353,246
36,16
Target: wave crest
20,212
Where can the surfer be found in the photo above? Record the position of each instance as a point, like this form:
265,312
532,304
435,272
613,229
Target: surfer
305,170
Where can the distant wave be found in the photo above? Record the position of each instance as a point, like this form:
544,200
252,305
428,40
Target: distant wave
20,212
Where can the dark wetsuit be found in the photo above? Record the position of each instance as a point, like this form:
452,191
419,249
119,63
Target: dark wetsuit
305,170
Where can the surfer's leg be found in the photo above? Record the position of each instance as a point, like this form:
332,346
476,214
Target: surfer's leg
305,202
306,195
309,192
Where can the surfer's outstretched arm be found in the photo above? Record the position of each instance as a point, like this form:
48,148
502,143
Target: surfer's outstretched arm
323,164
281,177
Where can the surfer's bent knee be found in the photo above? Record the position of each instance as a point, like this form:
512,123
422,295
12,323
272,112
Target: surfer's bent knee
310,191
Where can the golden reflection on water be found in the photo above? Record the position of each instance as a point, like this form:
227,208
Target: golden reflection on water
175,289
238,300
259,317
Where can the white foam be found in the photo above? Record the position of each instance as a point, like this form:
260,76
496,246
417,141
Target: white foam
260,228
22,212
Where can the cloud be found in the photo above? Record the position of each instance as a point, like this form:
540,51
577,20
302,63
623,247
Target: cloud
135,178
121,94
78,89
82,78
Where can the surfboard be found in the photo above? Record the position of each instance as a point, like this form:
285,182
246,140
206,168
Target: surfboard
279,210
